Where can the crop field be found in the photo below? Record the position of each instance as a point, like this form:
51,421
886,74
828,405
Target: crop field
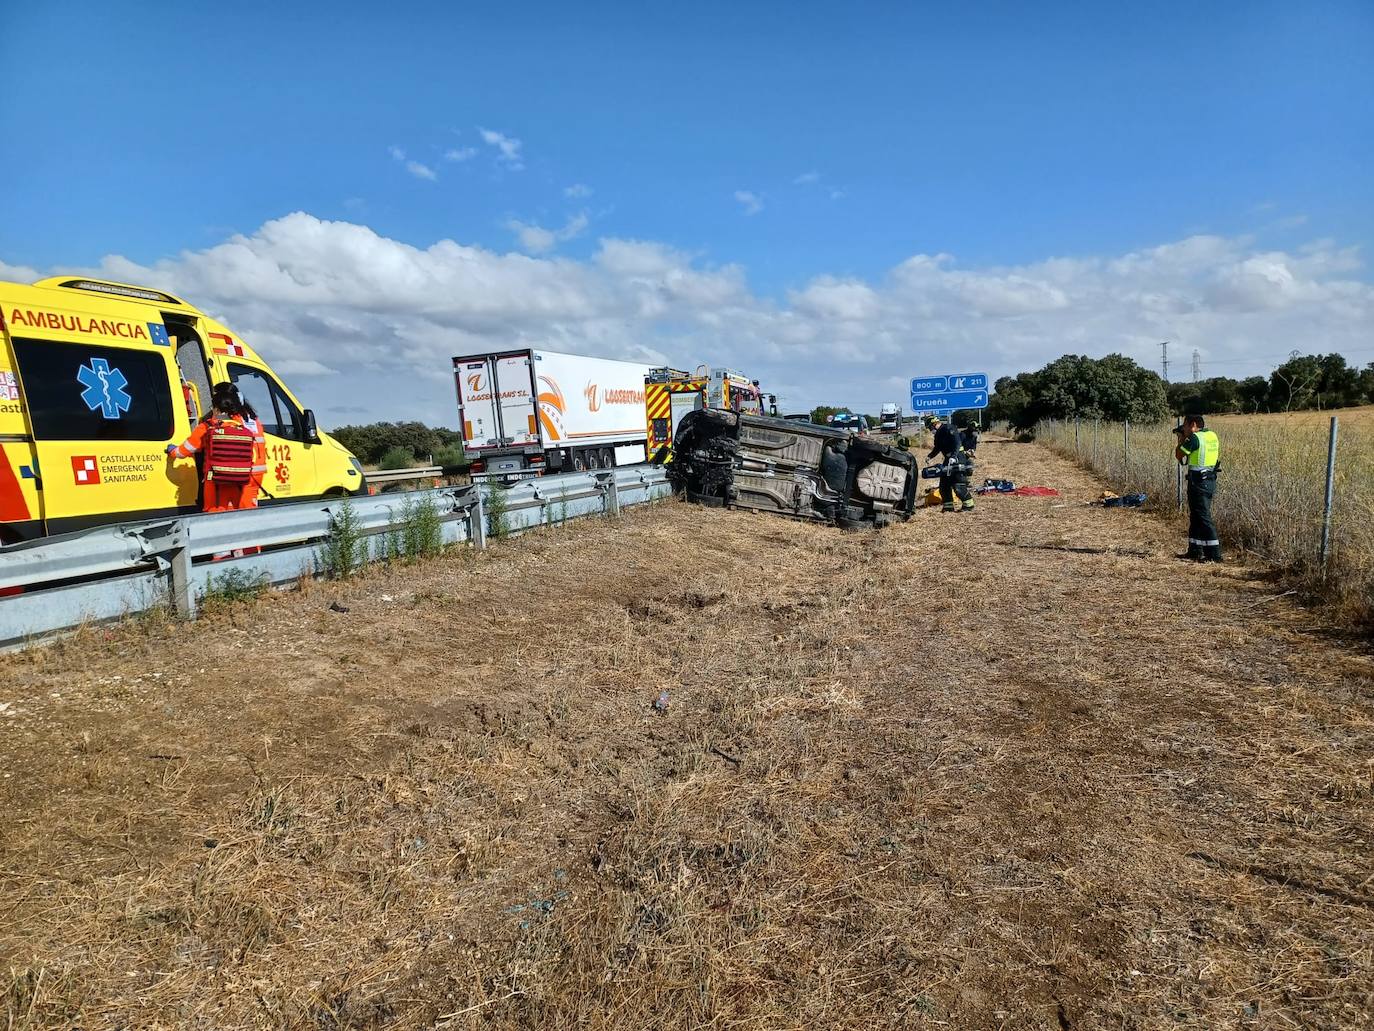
1011,770
1270,493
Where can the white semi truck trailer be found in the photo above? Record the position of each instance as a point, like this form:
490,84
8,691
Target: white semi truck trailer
530,410
890,417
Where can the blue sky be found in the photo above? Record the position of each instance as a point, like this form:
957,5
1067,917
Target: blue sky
797,142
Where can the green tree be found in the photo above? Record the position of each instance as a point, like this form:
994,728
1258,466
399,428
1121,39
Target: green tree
371,441
1252,394
1113,388
820,415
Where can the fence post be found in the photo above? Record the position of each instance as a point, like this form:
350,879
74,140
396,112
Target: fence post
477,517
1330,495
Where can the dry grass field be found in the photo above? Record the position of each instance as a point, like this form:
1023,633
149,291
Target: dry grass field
1270,495
956,774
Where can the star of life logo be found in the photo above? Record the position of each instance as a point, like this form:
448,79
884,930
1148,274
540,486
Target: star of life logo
85,470
104,388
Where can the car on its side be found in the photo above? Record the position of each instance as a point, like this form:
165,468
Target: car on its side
789,468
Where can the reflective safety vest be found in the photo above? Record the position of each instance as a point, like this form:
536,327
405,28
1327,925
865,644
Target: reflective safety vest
229,451
1207,455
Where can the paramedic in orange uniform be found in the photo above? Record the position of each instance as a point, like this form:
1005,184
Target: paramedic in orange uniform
234,449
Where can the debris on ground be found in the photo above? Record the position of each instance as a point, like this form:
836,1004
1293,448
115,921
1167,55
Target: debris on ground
1110,499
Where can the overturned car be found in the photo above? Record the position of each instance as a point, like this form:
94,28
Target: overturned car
791,468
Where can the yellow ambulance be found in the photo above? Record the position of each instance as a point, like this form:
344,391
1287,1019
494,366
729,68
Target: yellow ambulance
97,378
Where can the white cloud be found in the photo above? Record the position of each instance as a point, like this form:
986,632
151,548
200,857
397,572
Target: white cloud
418,169
507,147
807,179
353,318
577,191
750,201
538,240
460,153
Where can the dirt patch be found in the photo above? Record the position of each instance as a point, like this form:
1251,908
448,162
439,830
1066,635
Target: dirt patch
945,775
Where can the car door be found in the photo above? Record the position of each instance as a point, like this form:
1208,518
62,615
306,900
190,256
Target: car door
291,469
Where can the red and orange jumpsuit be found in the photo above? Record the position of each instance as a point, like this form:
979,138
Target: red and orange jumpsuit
226,497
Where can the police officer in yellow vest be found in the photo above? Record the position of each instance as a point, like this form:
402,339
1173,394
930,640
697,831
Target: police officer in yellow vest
1199,452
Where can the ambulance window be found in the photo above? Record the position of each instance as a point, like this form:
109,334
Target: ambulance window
279,416
82,392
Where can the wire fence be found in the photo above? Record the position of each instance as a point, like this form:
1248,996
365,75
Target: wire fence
1271,492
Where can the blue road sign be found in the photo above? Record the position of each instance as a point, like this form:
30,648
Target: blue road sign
946,393
949,400
921,403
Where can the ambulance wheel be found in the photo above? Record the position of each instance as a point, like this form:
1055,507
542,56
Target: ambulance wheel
607,458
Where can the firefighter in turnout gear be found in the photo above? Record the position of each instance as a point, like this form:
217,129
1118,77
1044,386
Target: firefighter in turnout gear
958,465
232,450
1199,452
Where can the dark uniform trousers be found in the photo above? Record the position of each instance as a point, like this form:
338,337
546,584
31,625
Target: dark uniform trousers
955,484
1203,541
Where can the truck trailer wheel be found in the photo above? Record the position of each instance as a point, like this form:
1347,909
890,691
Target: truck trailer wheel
575,462
607,458
593,459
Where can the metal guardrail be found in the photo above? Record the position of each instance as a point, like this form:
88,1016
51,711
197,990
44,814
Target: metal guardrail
114,571
426,472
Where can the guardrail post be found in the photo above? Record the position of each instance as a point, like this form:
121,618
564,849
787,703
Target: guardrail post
179,568
606,481
1330,496
477,517
169,545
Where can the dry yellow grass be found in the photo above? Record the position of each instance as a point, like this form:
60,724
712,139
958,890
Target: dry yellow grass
941,776
1271,491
